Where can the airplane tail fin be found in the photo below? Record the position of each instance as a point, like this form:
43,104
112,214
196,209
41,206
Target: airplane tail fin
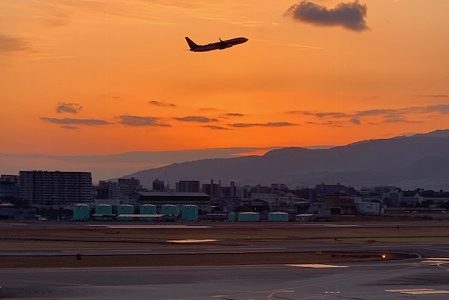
191,43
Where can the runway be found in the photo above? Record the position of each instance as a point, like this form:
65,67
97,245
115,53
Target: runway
424,276
419,249
417,279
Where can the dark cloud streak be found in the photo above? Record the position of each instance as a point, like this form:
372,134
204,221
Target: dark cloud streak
73,121
161,104
196,119
387,115
140,121
268,124
215,127
10,43
232,114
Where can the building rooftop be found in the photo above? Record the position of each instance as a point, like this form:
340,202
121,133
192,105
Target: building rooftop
172,194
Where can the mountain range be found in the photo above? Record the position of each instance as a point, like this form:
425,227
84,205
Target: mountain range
420,160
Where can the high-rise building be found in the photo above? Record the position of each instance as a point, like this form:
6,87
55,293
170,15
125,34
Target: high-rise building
188,186
212,189
128,187
55,188
158,185
122,189
9,186
107,189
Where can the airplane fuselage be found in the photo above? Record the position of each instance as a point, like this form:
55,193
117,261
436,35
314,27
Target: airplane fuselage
219,45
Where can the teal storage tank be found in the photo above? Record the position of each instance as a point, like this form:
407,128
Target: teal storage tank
103,209
232,217
103,212
249,217
148,209
278,217
81,212
189,213
170,210
126,209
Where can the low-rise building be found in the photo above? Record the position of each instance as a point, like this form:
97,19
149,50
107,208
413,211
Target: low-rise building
202,200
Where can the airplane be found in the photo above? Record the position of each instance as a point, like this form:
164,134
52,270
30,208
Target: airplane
215,46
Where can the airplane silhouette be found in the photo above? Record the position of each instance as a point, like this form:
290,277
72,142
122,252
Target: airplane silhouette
215,46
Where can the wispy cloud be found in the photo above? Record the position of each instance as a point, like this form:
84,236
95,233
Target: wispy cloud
350,15
434,96
268,124
233,114
75,121
161,104
327,123
382,115
139,121
9,43
71,108
196,119
215,127
208,109
400,119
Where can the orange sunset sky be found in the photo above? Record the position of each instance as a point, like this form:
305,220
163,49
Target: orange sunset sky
84,77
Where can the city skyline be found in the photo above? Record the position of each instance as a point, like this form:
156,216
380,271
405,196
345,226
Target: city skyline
102,77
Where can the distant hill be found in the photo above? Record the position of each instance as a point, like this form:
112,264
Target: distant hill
420,160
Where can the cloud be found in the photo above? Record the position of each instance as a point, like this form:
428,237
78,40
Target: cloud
141,121
350,15
71,108
381,115
400,119
434,96
336,115
209,109
268,124
12,44
356,121
438,108
196,119
375,112
232,114
161,104
69,127
73,121
327,123
216,127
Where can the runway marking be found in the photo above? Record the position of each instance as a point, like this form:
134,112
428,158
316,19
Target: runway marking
439,262
191,241
316,266
418,291
273,294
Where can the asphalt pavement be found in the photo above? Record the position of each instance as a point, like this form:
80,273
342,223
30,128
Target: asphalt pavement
411,279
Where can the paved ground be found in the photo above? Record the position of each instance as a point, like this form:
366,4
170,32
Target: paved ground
426,277
417,279
427,250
